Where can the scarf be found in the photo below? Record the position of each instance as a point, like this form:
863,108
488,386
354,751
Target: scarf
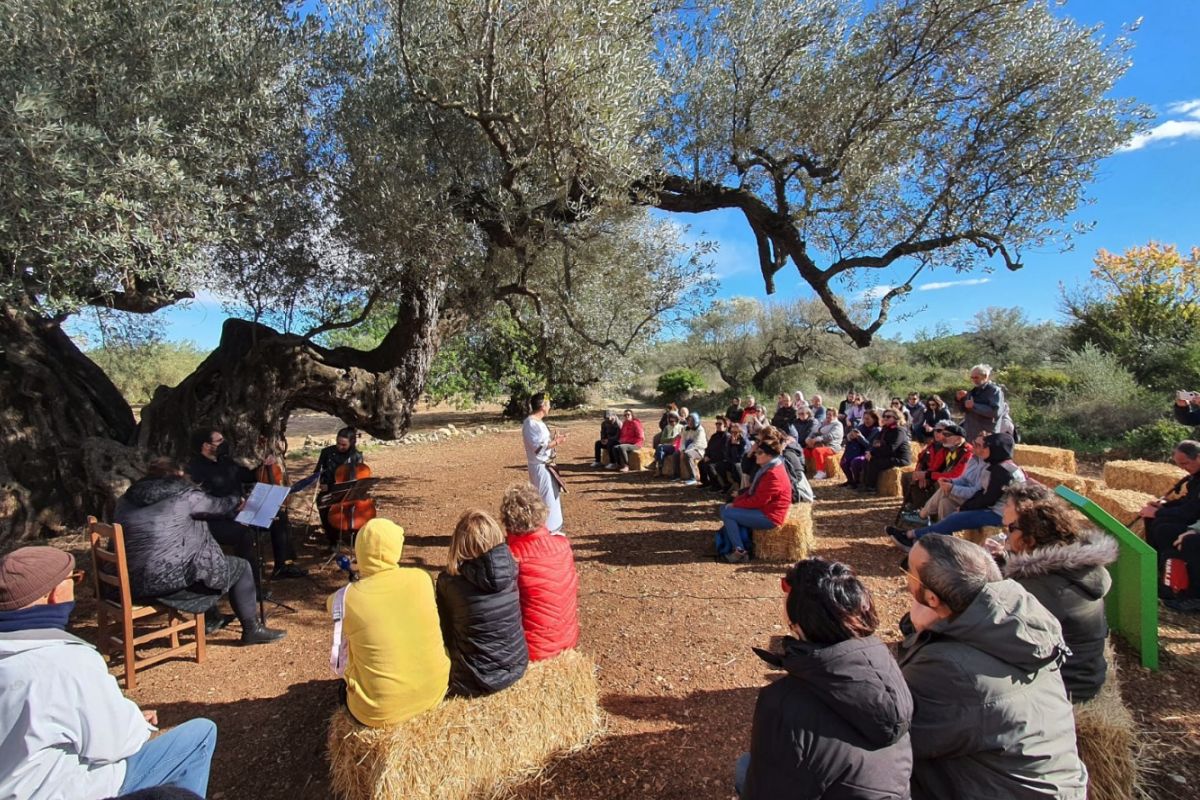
40,617
763,471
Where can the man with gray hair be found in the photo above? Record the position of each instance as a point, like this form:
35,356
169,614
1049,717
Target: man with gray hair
992,717
983,405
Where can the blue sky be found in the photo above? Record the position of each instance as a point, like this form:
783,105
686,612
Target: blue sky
1151,191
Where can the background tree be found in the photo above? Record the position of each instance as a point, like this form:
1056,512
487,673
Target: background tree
1003,336
1142,306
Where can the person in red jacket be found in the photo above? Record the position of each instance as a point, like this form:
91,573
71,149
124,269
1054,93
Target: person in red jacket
631,438
764,505
546,577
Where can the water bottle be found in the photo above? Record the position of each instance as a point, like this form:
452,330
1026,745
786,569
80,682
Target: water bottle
343,562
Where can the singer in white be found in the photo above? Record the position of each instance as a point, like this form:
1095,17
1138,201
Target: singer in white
539,451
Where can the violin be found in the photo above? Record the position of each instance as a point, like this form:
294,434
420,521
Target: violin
348,516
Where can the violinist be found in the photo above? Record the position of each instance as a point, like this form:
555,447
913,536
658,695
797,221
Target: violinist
220,476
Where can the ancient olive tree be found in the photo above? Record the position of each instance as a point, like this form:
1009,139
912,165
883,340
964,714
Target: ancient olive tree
858,136
747,341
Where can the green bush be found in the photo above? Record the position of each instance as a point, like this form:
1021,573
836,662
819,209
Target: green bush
1037,385
678,383
1156,440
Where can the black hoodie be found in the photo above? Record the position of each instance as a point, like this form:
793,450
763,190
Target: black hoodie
835,727
1000,472
480,612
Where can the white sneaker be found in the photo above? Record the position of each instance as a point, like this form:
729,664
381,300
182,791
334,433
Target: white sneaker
611,466
690,483
595,463
820,476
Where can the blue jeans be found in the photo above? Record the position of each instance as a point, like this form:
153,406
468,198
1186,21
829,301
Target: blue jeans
739,773
662,451
739,522
961,521
180,757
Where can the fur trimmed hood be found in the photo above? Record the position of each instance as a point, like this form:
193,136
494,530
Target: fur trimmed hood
1076,562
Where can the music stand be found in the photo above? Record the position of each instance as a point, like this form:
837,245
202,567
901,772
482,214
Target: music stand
264,597
260,511
348,491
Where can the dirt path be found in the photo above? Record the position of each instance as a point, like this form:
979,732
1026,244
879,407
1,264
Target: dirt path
670,631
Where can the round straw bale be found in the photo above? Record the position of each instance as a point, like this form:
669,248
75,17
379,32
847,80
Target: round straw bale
791,541
1108,742
889,481
1054,477
1034,455
641,459
470,748
1142,476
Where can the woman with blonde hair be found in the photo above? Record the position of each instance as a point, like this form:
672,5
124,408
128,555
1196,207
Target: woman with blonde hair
547,580
480,609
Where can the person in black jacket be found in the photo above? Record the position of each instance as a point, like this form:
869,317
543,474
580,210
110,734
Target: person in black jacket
610,432
805,424
785,415
711,466
736,449
836,725
888,449
1187,408
480,609
1166,520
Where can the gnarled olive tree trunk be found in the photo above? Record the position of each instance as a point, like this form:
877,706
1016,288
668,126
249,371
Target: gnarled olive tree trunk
64,430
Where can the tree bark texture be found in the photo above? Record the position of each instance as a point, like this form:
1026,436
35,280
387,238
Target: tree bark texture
64,430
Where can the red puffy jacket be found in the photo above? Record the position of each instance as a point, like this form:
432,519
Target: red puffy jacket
549,588
632,432
772,494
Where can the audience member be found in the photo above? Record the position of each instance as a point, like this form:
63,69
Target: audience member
172,557
805,424
824,443
785,415
818,409
546,578
858,444
735,451
754,420
798,399
663,421
480,609
845,404
669,441
65,728
953,492
983,406
982,509
1185,548
1167,521
935,412
631,438
692,446
610,434
764,504
793,462
945,459
836,725
1062,562
889,449
396,664
734,412
1187,408
856,410
897,405
916,414
991,715
711,471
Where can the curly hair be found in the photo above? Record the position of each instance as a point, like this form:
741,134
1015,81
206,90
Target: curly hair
1043,518
522,509
828,602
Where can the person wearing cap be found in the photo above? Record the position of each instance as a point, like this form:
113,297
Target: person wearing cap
65,728
610,432
944,459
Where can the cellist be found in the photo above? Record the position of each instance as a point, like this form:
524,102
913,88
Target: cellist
343,451
221,476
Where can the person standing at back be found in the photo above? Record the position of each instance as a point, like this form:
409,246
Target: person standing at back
983,405
539,452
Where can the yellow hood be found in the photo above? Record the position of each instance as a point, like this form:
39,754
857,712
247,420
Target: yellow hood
378,547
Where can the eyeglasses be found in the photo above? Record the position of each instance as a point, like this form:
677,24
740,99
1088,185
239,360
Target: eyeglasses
1012,527
905,572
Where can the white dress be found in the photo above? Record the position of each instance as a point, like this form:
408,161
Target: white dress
537,454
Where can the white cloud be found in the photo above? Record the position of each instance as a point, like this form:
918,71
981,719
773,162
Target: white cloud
933,287
1187,128
875,292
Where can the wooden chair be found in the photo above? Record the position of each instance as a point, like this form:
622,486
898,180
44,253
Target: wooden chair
118,617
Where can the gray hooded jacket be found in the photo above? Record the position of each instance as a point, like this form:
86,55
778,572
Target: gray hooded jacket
992,718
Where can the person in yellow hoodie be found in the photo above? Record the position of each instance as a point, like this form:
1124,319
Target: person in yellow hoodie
396,665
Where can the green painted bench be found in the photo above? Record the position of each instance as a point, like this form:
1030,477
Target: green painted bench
1132,604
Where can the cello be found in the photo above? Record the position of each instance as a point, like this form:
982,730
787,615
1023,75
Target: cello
347,516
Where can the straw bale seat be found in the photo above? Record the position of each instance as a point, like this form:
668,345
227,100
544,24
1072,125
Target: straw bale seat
1142,476
670,466
915,448
1122,504
1108,742
791,541
1056,477
641,459
833,468
470,748
1035,455
889,484
605,457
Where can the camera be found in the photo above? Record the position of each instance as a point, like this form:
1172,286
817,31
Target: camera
1183,394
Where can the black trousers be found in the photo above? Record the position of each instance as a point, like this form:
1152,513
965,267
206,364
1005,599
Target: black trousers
733,474
875,466
1162,535
601,447
241,539
709,476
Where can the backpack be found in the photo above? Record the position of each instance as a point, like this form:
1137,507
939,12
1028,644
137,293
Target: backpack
793,462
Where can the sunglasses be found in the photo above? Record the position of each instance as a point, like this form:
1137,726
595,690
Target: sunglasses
1013,527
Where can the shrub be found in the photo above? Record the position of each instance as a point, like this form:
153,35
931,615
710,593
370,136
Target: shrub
678,383
1155,441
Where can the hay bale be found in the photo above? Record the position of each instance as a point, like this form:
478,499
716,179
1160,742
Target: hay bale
641,459
470,748
1036,455
978,535
1106,736
791,541
1124,504
670,466
605,458
833,467
1054,477
915,448
1142,476
889,484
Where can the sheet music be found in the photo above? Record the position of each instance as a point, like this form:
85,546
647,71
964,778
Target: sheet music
262,505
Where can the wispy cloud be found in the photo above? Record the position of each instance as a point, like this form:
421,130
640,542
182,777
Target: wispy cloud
875,292
934,286
1186,128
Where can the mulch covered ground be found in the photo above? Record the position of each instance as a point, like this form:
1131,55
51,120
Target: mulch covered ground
670,630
